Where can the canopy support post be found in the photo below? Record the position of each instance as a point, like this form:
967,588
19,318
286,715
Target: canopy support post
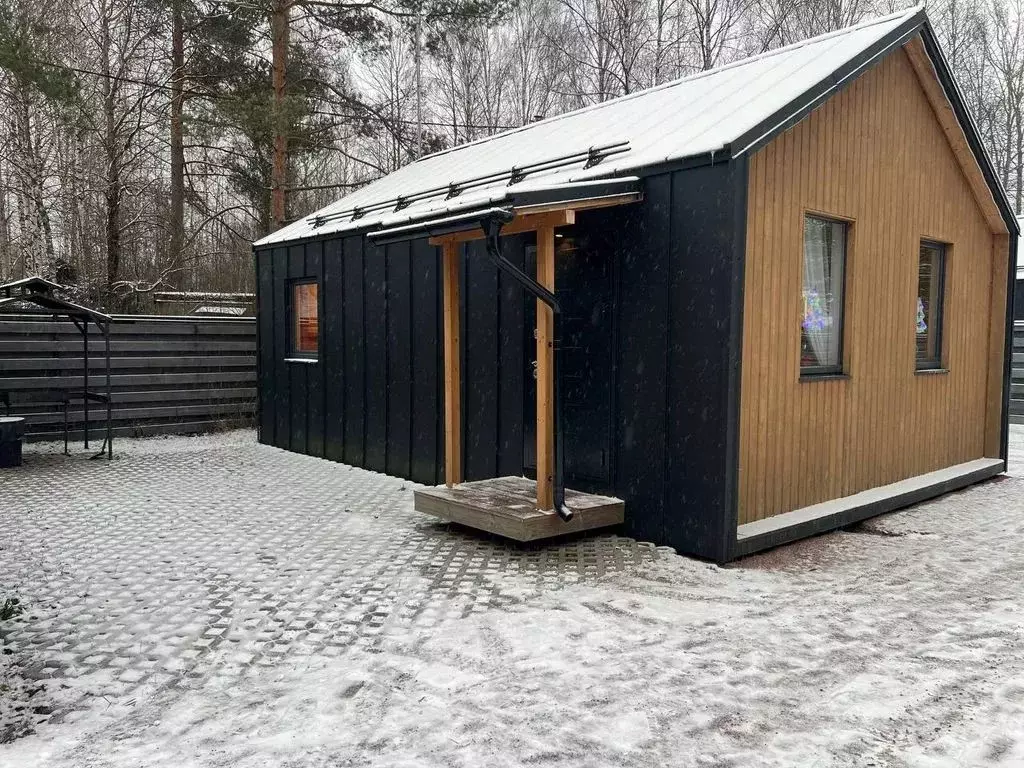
452,368
546,372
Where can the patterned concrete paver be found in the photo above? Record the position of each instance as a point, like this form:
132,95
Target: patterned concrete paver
198,566
134,571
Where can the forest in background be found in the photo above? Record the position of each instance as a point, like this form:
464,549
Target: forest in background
147,143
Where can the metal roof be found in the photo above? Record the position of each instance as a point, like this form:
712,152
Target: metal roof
39,291
37,284
721,111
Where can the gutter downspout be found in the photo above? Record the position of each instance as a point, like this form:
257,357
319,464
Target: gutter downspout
491,226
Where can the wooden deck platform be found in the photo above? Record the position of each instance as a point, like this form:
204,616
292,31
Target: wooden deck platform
506,506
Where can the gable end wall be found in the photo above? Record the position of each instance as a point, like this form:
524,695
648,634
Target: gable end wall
876,155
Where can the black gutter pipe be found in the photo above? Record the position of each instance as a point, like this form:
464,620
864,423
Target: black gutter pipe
491,226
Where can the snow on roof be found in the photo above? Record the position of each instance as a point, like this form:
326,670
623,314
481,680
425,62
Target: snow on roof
219,309
696,115
35,283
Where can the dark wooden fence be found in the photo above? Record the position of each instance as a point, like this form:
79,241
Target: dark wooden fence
169,375
1017,375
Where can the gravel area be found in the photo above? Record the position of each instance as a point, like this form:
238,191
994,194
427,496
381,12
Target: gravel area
213,602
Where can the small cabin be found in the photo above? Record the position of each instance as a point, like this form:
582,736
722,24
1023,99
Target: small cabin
743,307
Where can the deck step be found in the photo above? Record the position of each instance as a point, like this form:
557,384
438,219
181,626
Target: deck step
506,506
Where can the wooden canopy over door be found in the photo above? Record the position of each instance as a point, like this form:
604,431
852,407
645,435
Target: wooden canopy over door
544,225
542,220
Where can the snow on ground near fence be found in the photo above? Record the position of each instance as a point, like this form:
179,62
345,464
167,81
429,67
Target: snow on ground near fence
350,631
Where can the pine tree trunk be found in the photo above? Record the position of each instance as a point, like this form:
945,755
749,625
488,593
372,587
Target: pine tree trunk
82,217
177,192
6,259
280,32
1018,134
419,79
25,265
41,234
112,186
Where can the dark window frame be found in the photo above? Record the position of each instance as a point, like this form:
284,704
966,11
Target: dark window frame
293,352
934,363
837,371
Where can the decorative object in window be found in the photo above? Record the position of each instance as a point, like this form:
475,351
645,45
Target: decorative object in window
305,320
931,285
821,331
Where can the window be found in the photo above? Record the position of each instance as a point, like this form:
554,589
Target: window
304,320
931,281
821,328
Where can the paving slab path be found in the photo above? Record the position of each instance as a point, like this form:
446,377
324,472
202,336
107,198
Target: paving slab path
213,602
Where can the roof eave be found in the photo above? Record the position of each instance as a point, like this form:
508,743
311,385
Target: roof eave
582,195
797,109
963,116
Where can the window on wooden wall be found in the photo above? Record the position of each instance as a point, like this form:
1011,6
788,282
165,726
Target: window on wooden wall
821,327
931,286
305,320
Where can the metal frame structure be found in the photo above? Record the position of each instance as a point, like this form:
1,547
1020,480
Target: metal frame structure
40,292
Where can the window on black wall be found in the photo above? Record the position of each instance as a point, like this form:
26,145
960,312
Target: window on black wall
305,320
931,287
821,325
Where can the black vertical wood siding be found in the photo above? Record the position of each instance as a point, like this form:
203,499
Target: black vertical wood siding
513,334
266,334
703,365
644,276
332,340
375,397
398,288
493,366
480,364
280,399
352,350
375,320
427,438
315,422
678,258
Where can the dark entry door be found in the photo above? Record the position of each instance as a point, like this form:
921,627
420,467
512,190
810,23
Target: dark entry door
583,284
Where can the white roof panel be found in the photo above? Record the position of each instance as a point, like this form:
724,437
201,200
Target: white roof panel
696,115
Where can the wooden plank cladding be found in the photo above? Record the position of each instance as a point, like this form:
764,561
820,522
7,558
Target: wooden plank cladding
545,373
452,369
169,375
877,156
375,396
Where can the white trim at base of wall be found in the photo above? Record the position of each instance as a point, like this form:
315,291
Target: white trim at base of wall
827,515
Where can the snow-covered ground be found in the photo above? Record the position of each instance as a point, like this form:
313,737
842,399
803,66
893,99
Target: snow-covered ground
211,602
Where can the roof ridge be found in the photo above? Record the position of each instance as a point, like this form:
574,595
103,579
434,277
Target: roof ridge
906,12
